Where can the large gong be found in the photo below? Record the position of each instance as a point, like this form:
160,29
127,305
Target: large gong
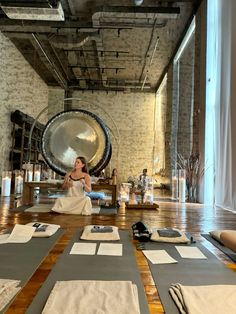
75,133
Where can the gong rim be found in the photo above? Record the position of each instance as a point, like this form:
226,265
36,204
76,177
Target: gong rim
88,134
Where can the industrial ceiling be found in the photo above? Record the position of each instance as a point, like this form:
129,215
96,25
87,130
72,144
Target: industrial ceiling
98,45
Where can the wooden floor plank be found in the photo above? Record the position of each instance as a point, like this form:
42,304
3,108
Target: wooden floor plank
192,218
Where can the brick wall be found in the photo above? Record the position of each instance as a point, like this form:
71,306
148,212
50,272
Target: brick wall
132,114
186,97
22,89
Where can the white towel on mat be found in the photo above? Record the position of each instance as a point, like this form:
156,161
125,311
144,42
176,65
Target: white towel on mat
90,297
8,289
214,299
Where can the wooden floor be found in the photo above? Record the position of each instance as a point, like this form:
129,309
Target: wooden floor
193,218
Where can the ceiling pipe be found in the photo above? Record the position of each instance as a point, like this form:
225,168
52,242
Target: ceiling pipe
77,42
118,12
146,54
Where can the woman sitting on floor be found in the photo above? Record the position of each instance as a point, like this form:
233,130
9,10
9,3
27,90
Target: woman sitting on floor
77,182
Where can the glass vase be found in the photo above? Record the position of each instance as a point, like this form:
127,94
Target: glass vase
182,185
174,184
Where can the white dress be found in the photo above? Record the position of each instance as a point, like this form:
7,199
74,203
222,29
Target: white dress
76,202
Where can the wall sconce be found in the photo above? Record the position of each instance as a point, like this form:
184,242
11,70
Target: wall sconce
6,183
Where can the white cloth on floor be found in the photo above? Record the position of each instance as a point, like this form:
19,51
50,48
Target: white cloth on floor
8,289
19,234
213,299
90,297
75,202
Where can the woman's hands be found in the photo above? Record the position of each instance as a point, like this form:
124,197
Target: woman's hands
67,181
86,182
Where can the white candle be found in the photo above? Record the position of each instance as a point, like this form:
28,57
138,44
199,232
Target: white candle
124,197
18,185
37,176
182,188
148,197
21,185
29,175
6,186
174,188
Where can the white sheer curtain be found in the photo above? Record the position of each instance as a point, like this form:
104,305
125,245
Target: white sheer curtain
225,103
212,73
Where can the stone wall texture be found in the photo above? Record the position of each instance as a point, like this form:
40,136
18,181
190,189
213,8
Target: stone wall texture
21,89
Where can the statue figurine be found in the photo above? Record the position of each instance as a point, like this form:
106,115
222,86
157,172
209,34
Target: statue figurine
143,183
114,176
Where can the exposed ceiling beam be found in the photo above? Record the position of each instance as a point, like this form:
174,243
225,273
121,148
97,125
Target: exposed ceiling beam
48,61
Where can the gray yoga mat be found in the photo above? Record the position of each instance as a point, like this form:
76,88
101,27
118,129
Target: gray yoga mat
19,261
103,211
191,272
95,267
231,254
108,211
19,209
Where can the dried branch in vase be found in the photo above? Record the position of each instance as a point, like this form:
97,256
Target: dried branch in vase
191,165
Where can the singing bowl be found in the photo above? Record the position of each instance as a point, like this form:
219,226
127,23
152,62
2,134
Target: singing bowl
74,133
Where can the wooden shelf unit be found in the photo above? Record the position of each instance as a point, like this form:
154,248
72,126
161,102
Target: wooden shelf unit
19,153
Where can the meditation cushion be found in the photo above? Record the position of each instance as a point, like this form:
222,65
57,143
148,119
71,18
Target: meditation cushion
96,195
170,235
215,234
228,238
89,234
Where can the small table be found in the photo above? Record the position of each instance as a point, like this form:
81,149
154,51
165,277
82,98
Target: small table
28,192
142,206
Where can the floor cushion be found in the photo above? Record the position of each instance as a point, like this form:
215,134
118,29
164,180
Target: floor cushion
228,238
180,237
88,233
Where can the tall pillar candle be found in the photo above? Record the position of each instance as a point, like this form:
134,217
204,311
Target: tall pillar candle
18,184
29,175
6,183
37,175
182,188
174,186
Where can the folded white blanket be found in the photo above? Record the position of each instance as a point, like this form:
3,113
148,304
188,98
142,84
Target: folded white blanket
8,289
93,297
214,299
